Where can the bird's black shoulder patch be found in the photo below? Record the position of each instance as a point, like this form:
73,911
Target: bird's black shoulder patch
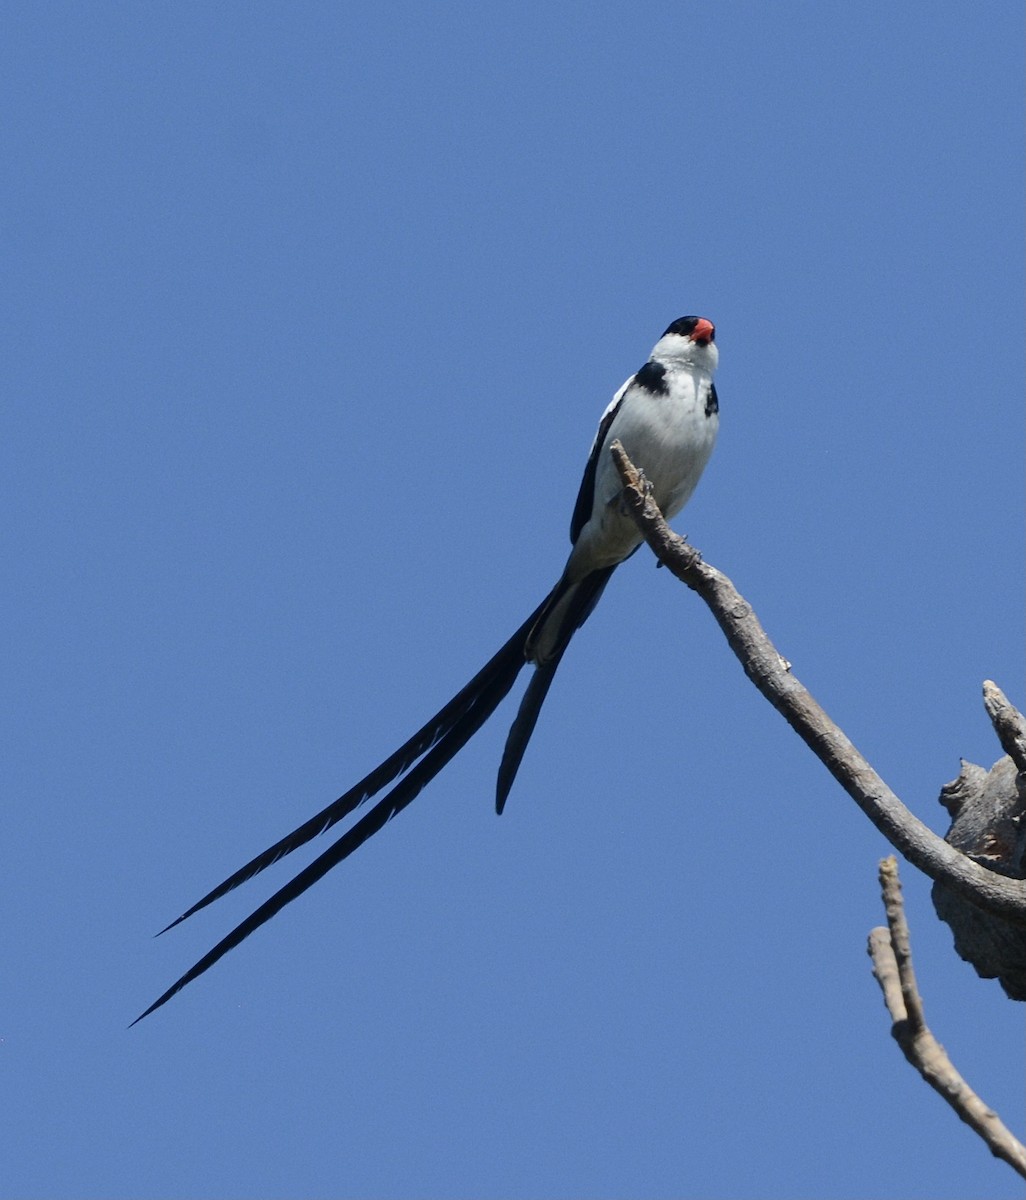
652,377
712,401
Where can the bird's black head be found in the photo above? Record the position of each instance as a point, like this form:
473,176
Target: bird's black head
698,329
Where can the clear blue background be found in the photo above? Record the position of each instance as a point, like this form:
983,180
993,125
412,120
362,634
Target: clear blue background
310,312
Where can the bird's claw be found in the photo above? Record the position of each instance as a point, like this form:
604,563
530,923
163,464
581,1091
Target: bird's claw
644,484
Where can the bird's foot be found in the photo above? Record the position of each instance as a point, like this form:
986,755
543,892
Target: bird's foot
644,483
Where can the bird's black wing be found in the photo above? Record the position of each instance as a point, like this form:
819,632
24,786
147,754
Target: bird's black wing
586,496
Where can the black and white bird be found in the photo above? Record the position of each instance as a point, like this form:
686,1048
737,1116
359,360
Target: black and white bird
666,417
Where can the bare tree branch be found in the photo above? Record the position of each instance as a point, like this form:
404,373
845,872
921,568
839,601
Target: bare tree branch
1009,724
891,953
771,674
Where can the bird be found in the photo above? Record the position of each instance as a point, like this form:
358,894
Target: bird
666,416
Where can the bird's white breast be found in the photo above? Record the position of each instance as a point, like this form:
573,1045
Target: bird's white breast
669,435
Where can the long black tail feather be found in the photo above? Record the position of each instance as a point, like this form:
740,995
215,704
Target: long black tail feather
580,608
396,764
522,728
505,667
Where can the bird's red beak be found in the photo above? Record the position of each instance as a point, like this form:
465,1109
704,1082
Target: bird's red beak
704,332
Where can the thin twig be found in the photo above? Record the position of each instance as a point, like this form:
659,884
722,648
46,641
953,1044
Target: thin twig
771,674
891,953
901,945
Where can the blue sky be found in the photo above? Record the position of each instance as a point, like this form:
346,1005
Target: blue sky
311,312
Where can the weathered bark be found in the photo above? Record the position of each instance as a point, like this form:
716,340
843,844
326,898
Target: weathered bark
988,811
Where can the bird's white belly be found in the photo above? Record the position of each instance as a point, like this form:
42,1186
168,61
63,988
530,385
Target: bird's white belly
670,438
